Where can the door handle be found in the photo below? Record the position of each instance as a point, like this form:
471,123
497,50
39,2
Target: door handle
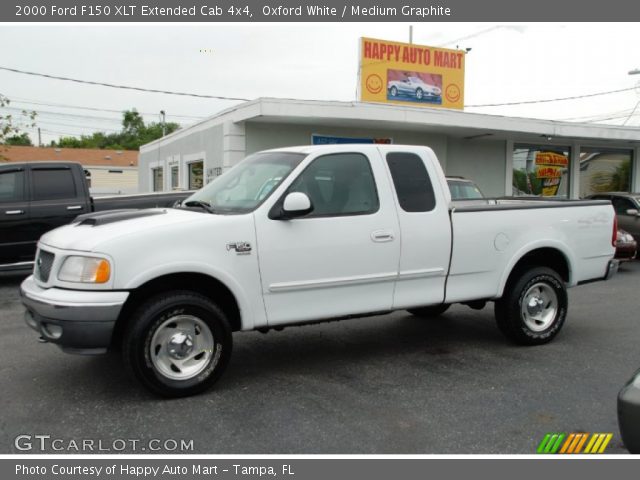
14,212
75,207
382,236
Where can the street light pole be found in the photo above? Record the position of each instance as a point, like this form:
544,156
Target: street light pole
635,71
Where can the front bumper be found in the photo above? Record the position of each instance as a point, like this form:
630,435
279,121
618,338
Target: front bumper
77,321
629,414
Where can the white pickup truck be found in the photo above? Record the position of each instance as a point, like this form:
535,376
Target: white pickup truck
301,235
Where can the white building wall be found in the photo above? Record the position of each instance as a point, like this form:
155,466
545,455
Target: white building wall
263,136
206,145
483,161
113,180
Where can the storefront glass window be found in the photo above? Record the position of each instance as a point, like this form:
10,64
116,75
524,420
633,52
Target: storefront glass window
195,175
541,171
175,177
158,184
604,170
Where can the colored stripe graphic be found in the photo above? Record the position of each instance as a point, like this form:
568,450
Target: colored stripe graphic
598,443
551,442
573,443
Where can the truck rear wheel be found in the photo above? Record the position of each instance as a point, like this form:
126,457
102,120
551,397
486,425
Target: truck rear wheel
430,311
178,343
533,307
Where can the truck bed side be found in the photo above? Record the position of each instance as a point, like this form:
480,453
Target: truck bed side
489,240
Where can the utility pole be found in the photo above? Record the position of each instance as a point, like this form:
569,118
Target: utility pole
410,33
165,174
635,71
39,138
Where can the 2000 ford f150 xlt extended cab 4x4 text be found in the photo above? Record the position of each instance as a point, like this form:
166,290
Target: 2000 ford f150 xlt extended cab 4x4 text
300,235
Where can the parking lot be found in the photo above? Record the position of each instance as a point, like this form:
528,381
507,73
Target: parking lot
386,384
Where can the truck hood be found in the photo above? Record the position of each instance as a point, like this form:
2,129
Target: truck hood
86,232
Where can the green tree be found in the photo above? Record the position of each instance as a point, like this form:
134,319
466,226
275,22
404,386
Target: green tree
22,140
135,132
11,128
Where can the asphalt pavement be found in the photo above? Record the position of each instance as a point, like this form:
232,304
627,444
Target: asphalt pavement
376,385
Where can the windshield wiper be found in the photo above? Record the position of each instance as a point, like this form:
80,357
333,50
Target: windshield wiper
199,203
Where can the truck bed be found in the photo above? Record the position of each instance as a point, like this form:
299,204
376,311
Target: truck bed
490,238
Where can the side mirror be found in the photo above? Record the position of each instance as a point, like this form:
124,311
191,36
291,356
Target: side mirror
632,211
296,204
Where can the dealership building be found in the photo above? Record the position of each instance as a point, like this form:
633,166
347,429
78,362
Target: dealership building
503,155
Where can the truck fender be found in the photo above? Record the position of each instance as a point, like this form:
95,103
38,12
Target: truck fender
246,310
530,247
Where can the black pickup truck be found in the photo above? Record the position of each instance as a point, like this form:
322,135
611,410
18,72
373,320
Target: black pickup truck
36,197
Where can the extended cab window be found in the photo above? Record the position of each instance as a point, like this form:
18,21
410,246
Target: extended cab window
11,186
411,181
53,183
339,184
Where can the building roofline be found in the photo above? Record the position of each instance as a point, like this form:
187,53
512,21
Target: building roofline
398,115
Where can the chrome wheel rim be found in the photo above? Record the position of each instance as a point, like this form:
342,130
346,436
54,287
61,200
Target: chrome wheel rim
419,94
181,347
539,307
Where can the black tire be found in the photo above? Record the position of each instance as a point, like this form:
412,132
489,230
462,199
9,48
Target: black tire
394,92
509,312
157,312
419,94
430,311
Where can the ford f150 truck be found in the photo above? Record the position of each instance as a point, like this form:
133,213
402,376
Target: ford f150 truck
36,197
301,235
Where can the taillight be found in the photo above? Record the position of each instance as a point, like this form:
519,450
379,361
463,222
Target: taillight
614,236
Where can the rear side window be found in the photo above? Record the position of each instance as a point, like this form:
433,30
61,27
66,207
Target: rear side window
411,181
11,186
53,184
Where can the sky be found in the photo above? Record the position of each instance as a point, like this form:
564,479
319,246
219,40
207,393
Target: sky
507,63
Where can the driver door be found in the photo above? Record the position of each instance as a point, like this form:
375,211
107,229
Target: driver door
342,258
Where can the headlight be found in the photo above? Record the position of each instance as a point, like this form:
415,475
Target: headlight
85,270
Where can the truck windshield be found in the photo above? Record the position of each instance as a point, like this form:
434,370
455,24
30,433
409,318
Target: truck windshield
247,184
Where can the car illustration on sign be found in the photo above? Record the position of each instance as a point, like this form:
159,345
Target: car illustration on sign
414,87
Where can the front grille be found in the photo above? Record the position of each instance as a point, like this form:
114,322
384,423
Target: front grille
43,265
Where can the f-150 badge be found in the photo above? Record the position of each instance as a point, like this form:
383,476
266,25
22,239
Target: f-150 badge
241,248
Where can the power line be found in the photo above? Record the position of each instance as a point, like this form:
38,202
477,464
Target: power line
123,87
575,97
88,127
65,114
594,117
95,109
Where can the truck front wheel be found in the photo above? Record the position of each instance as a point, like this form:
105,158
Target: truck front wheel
178,343
533,307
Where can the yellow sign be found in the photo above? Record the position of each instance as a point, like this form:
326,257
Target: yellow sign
544,171
408,74
551,158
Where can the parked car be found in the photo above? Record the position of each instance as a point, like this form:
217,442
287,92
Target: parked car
463,189
414,87
36,197
626,246
629,413
627,207
343,231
